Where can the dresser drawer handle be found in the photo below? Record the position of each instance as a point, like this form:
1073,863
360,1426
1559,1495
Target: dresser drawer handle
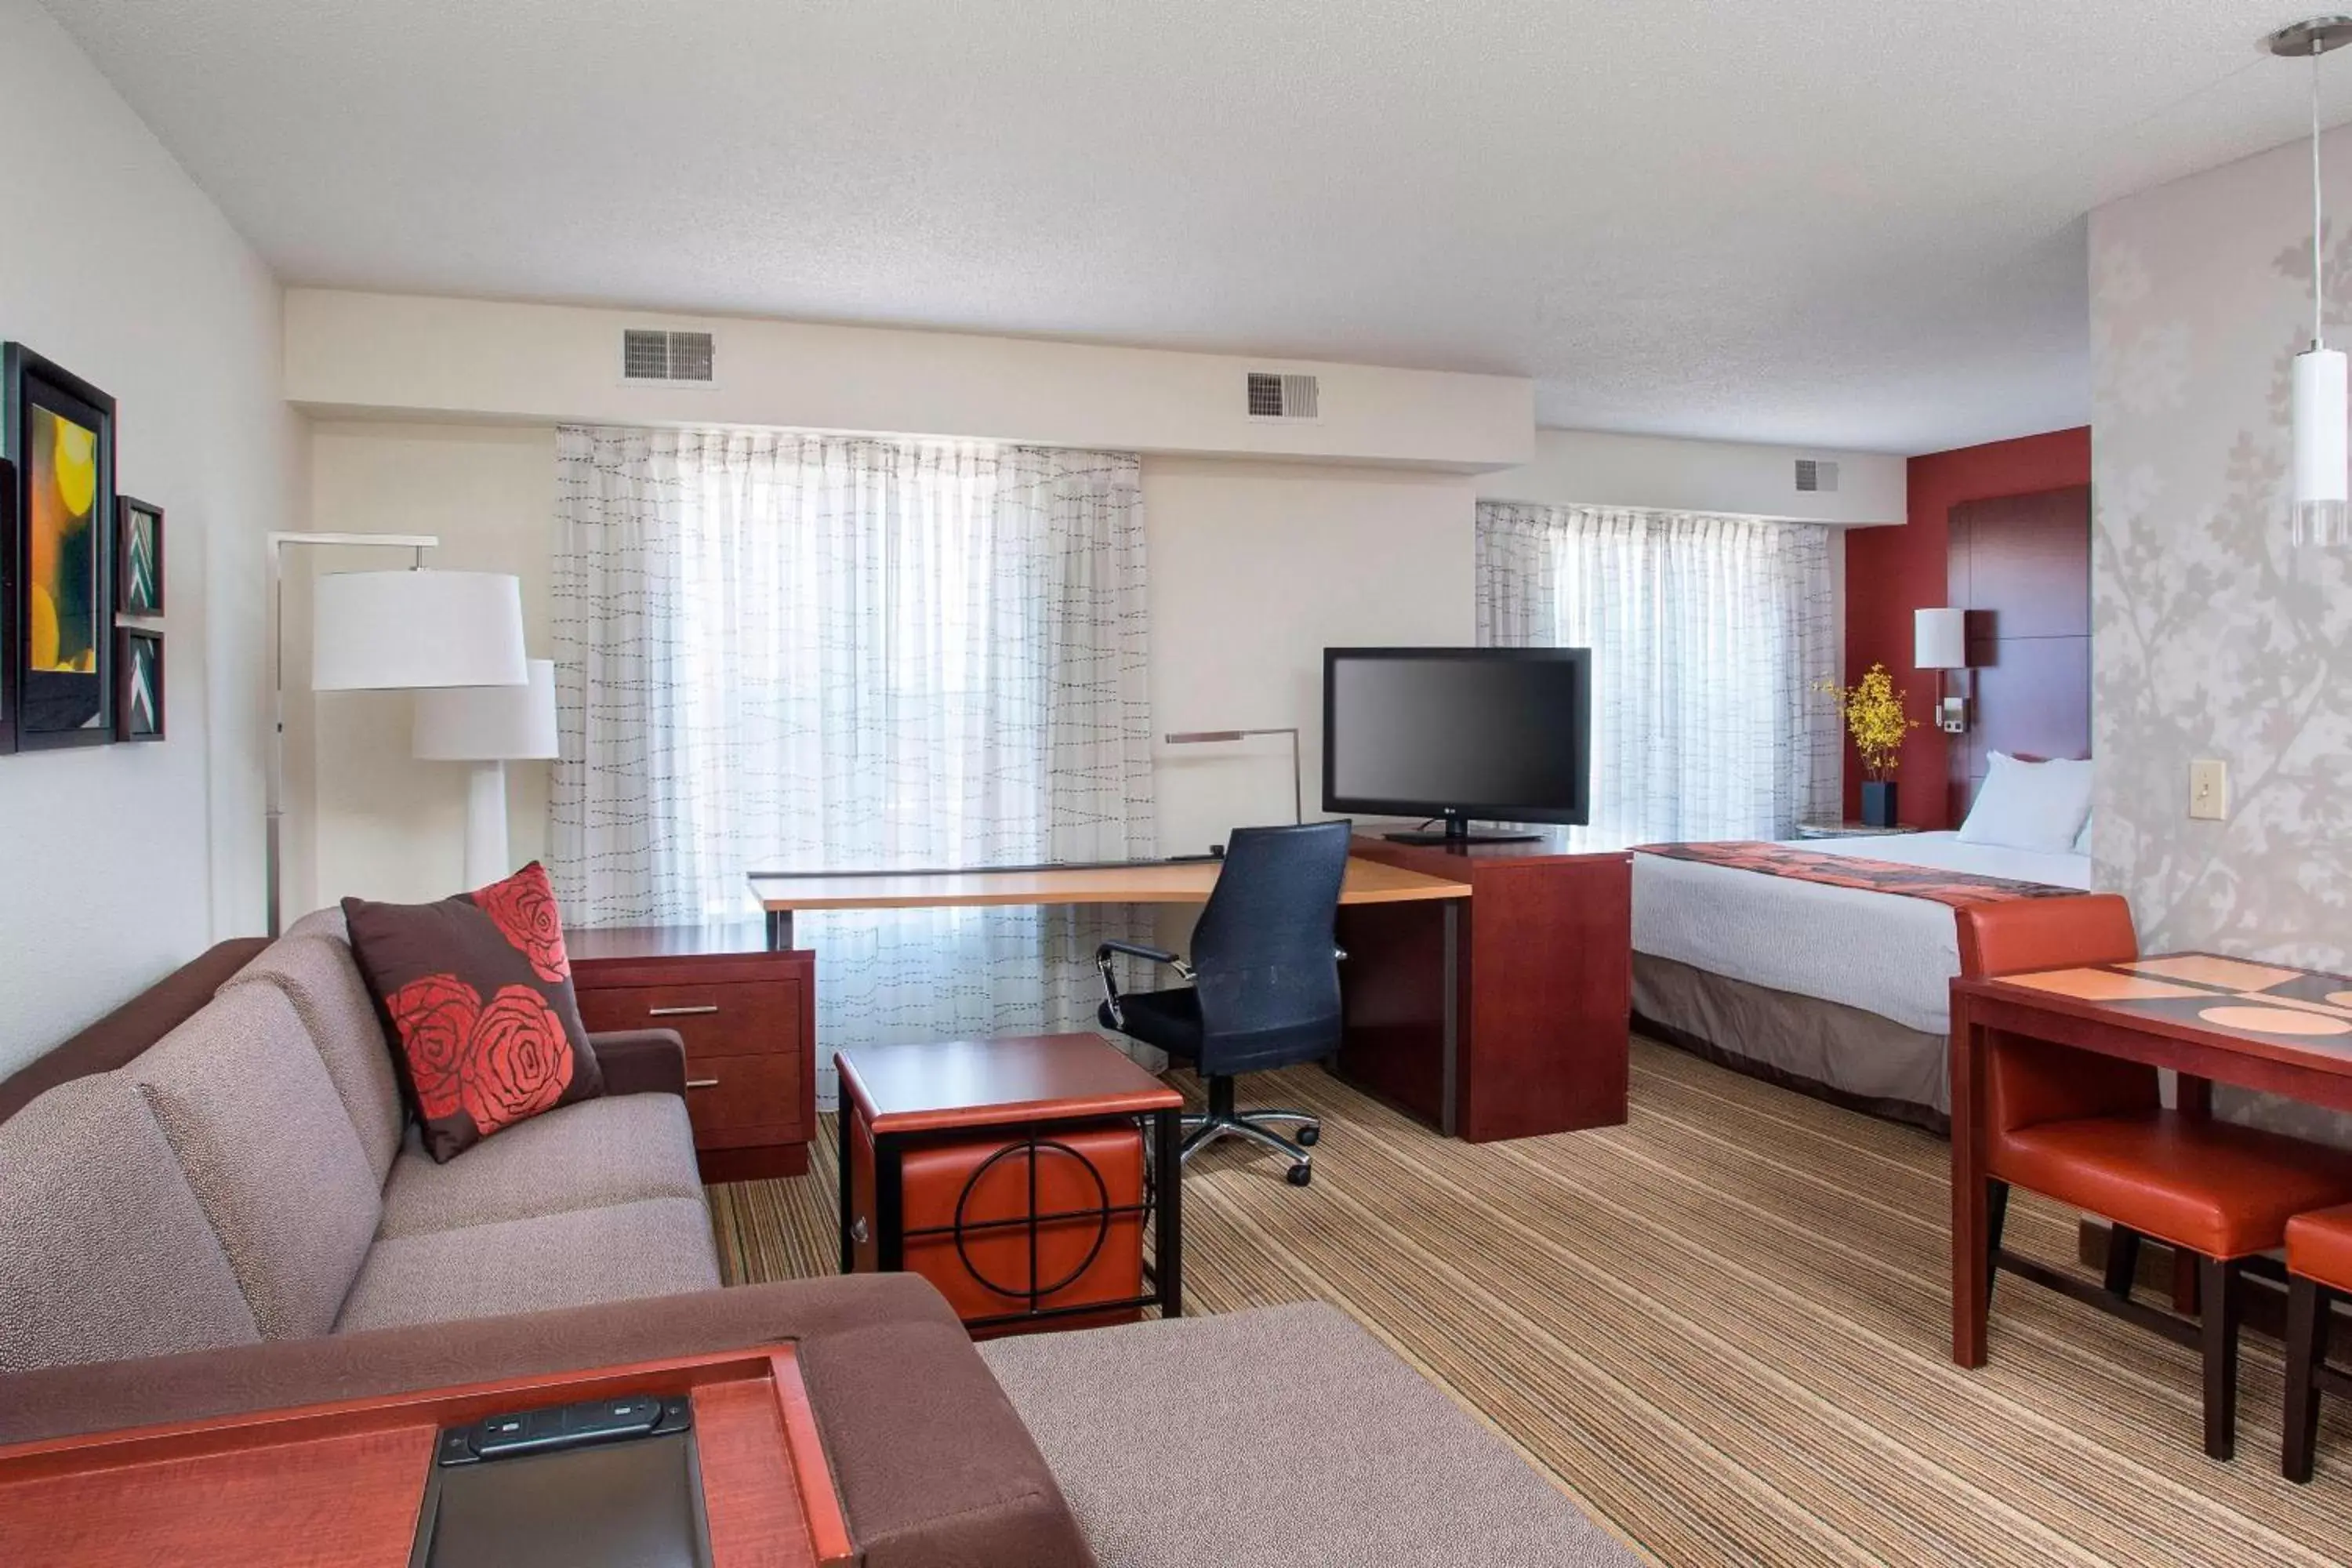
682,1011
703,1083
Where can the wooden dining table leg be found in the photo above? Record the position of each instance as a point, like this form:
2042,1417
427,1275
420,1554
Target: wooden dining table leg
1971,1269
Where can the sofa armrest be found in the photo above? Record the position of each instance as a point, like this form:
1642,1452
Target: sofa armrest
933,1463
641,1061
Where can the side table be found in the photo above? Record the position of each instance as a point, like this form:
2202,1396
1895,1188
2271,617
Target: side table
1023,1160
749,1020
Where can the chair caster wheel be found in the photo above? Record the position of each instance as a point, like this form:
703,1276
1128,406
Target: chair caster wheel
1310,1136
1299,1176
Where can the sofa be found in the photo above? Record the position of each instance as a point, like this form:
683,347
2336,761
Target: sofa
212,1200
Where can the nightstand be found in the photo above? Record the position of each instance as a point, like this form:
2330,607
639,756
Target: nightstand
1848,830
749,1020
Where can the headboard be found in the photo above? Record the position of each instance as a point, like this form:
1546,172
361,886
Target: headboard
2021,566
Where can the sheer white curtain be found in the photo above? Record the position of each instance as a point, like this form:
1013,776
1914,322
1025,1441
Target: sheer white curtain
1708,636
787,651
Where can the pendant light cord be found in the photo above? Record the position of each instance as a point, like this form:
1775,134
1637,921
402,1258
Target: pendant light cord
2318,307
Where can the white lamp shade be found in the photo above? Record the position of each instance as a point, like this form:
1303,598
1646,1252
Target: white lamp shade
375,631
2323,446
489,723
1940,639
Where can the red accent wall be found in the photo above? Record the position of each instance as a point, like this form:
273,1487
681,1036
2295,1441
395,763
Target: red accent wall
1891,571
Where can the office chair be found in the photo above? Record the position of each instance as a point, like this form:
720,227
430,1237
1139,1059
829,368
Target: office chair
1265,975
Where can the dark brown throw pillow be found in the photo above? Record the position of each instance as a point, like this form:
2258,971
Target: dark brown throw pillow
475,994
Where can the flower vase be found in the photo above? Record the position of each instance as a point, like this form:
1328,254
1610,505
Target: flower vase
1878,802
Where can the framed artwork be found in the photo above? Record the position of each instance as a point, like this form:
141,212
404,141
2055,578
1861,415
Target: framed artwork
138,557
139,684
8,607
60,435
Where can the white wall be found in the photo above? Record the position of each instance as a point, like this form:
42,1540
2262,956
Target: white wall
1255,569
382,354
1585,468
123,861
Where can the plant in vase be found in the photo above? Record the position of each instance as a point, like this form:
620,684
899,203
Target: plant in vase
1873,716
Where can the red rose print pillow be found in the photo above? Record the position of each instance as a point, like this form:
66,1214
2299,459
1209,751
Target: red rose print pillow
476,998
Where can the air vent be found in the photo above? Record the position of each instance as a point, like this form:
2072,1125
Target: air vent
1813,475
1273,396
670,358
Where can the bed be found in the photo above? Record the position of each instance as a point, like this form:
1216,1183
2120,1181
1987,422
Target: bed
1842,992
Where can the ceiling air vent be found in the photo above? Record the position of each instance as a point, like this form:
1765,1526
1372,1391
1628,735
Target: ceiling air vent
1815,476
668,358
1273,396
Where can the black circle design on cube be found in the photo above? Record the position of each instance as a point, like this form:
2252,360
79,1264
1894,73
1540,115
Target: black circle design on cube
1101,1213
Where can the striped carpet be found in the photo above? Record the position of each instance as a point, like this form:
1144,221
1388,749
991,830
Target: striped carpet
1724,1329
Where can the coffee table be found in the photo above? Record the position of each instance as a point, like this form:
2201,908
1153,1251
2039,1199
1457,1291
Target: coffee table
1024,1088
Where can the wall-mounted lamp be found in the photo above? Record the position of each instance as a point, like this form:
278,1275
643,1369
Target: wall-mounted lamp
1940,642
1297,779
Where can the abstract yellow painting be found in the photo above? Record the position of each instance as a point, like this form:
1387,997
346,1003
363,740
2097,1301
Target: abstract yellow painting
63,616
60,615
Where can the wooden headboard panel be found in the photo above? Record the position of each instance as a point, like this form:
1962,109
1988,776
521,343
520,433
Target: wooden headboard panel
2021,566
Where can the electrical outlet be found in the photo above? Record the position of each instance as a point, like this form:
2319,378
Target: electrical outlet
2208,790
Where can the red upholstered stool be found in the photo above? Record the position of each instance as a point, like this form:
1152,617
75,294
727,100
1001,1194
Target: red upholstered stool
2091,1132
2320,1269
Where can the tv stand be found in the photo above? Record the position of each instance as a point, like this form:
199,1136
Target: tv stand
1457,836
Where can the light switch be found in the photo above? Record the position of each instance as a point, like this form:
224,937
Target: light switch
2208,790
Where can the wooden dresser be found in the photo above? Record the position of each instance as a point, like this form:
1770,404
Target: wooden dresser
749,1020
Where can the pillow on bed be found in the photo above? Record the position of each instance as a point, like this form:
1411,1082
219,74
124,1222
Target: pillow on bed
2082,839
2030,806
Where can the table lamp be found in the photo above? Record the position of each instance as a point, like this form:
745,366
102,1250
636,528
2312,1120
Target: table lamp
489,726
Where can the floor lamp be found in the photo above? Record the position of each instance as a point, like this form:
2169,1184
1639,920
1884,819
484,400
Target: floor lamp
488,726
376,631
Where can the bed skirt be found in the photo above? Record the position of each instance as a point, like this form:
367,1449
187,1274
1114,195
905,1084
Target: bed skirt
1826,1049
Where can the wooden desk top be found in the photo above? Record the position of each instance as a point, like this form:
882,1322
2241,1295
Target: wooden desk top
986,1083
342,1484
2298,1016
1151,883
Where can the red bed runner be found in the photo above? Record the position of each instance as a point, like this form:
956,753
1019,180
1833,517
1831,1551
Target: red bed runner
1959,889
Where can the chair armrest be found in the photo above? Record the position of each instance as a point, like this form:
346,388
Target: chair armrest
641,1061
1137,949
1133,950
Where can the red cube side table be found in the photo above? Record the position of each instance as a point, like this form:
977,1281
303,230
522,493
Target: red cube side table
1011,1173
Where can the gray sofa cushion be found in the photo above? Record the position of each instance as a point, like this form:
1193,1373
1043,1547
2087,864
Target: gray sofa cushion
257,1126
656,1248
107,1255
321,979
1316,1443
589,1156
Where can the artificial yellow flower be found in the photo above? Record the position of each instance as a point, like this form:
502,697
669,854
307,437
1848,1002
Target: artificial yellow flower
1874,718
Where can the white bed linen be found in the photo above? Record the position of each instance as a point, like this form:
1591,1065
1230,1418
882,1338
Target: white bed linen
1885,953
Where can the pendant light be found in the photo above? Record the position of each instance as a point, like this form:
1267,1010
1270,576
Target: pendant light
2323,391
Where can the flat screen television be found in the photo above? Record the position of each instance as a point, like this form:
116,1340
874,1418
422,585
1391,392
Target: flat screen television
1458,733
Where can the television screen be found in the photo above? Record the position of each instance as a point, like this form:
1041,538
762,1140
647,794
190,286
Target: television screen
1501,733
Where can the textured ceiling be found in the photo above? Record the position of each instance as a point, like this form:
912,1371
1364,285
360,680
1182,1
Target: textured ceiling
1831,222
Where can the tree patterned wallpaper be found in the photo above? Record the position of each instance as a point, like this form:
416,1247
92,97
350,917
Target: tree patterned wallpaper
2213,637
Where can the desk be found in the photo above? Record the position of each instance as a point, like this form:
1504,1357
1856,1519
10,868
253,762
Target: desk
1430,958
1137,882
2212,1019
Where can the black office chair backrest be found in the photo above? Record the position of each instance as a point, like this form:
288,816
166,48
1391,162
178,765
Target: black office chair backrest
1265,951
